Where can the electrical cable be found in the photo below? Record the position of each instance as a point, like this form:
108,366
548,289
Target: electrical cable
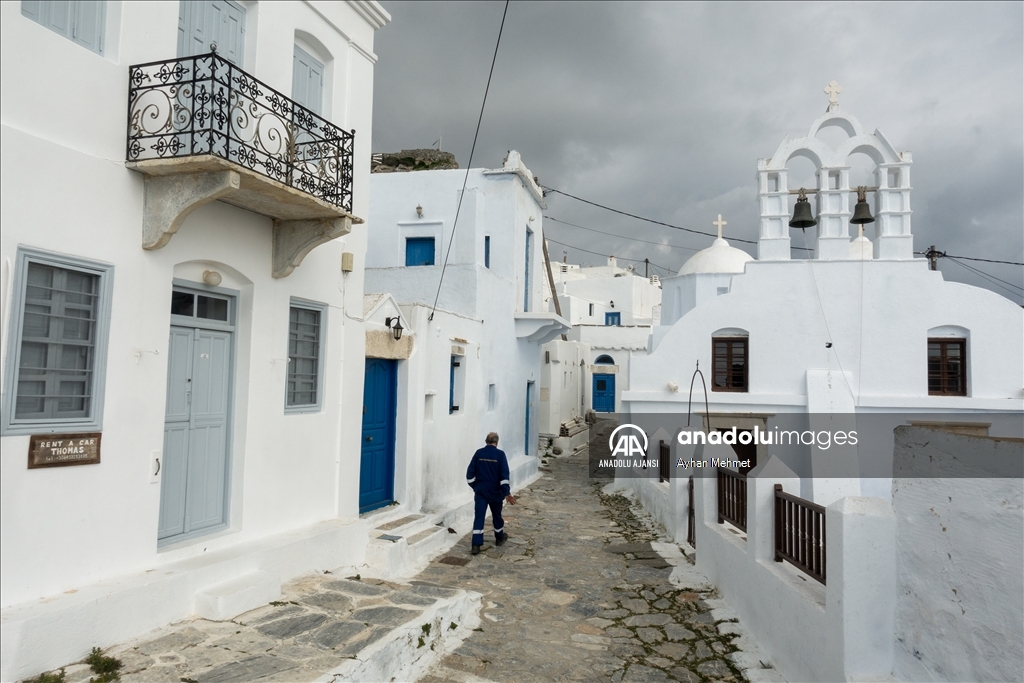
469,165
986,260
994,280
596,253
641,218
611,234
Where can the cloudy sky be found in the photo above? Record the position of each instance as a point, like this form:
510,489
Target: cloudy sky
663,109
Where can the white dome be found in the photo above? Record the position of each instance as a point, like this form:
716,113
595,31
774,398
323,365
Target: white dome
718,258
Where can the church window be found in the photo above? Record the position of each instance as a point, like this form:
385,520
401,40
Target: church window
947,367
57,347
730,369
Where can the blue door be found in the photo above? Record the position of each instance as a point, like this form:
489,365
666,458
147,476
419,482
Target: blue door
377,459
604,393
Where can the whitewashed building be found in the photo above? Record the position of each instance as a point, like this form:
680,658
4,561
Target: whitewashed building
612,311
184,187
861,331
473,364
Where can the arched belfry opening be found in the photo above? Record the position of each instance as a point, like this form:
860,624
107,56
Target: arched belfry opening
845,159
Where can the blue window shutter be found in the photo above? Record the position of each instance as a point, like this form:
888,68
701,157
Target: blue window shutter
58,17
307,81
32,9
89,19
419,251
613,318
202,23
81,22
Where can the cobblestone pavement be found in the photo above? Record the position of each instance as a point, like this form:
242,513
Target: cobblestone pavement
319,623
578,593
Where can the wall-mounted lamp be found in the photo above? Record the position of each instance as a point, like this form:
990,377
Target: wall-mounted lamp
212,277
612,304
419,211
395,325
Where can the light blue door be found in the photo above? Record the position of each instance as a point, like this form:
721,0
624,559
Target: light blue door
196,425
201,23
377,456
604,393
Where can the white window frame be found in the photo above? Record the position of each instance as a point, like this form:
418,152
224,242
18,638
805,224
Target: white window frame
317,406
63,425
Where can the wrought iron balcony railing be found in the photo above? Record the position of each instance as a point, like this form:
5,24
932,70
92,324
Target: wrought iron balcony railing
205,105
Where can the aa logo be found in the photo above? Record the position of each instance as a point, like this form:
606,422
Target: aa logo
628,442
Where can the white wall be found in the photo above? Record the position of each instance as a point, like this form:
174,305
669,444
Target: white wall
960,557
476,311
564,385
66,190
876,314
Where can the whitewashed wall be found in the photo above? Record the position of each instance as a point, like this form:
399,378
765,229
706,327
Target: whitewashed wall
960,557
477,305
66,190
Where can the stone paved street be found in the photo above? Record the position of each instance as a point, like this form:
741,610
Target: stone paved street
584,590
578,594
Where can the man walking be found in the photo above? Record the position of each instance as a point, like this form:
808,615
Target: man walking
488,477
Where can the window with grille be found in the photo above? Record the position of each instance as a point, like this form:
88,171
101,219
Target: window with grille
57,345
305,357
947,367
730,368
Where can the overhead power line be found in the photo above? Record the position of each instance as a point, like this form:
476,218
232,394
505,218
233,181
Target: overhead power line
986,260
650,220
991,278
612,234
597,253
469,165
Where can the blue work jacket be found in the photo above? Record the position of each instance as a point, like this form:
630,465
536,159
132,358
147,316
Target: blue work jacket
487,474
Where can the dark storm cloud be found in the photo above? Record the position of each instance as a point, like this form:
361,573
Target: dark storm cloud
663,109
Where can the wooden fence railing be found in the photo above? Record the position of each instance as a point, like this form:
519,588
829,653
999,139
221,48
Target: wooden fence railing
800,533
732,498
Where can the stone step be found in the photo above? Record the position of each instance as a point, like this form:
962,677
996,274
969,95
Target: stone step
231,598
426,534
394,525
322,627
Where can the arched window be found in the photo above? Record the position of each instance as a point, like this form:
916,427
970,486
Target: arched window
604,360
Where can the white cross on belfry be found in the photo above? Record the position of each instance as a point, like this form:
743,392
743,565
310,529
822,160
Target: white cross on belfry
833,89
719,223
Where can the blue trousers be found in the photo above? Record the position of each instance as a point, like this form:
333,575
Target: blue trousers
478,520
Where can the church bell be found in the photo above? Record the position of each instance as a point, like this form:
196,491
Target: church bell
802,216
861,212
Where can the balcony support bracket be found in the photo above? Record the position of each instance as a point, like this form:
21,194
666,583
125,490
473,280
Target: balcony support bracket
293,239
169,199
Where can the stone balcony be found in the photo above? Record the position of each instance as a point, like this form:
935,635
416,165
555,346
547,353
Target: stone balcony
201,129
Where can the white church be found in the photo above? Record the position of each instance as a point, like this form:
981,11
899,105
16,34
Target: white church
861,332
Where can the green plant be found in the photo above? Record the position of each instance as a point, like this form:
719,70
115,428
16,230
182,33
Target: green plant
452,626
48,678
105,668
426,629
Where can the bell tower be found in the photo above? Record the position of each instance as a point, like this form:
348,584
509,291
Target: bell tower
890,193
